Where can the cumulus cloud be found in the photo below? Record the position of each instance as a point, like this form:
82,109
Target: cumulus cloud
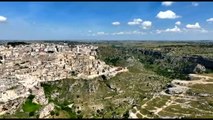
158,31
204,31
115,23
138,32
167,3
3,19
201,30
175,29
135,21
118,33
129,33
102,33
167,15
210,20
195,4
193,26
178,23
146,24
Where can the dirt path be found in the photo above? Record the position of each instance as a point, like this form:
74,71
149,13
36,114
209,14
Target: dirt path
202,80
134,115
168,103
145,104
172,101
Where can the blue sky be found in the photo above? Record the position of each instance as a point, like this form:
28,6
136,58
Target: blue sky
106,20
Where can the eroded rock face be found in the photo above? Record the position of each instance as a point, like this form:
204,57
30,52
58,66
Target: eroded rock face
11,106
38,91
208,63
199,68
154,53
176,87
177,90
45,112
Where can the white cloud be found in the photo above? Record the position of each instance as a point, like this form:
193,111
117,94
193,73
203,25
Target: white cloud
135,21
195,4
167,3
118,33
138,32
202,30
158,31
178,23
138,20
101,33
129,33
146,24
175,29
195,26
115,23
167,15
89,31
210,20
3,19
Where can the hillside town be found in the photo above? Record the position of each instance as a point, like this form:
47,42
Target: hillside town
24,67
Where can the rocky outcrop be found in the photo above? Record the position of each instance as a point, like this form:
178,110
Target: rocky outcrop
176,90
208,63
176,87
153,53
199,68
45,112
38,91
11,106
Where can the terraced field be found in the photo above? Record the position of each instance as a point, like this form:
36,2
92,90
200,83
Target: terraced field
196,102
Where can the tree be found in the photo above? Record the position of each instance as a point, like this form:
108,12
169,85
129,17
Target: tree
126,114
57,113
37,116
52,113
31,113
31,97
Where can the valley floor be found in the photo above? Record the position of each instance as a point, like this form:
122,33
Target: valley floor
181,105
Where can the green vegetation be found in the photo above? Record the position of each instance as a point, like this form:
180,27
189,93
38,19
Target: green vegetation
30,110
62,104
113,55
30,107
47,89
166,66
13,44
202,88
